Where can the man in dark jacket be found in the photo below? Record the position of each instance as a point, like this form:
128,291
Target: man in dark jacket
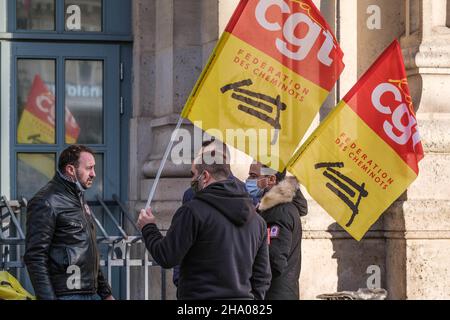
218,239
281,207
189,194
61,250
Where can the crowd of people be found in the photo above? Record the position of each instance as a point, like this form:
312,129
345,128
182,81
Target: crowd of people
229,240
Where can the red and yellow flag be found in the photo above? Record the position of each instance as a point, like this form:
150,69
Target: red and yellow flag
37,123
366,152
267,78
37,126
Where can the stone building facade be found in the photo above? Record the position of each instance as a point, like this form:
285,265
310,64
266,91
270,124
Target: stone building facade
409,247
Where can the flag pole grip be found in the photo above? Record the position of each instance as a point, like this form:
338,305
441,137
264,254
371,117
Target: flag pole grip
163,162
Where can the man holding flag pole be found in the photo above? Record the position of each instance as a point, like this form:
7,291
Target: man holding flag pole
218,239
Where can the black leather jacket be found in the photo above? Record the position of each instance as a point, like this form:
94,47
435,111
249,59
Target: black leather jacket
61,252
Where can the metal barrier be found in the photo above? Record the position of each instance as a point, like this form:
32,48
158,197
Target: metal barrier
11,234
12,241
124,243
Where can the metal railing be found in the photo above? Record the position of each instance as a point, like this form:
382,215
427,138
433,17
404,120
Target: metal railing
119,243
11,234
124,242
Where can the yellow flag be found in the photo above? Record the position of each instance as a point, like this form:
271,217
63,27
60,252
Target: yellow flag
366,152
264,83
37,126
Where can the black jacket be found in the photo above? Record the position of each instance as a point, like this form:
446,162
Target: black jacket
188,195
220,243
281,207
61,234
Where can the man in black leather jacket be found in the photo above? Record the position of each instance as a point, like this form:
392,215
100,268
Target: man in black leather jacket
61,252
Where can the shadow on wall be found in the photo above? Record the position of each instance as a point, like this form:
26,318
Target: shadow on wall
379,259
448,14
396,255
359,264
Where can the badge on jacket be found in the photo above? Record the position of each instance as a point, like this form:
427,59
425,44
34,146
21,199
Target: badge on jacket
274,232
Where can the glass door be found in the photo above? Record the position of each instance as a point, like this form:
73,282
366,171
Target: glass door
64,94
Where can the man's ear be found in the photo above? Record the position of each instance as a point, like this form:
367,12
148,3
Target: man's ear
70,169
273,180
207,175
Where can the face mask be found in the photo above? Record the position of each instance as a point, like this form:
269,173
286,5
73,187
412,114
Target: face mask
79,186
252,188
74,180
77,182
195,185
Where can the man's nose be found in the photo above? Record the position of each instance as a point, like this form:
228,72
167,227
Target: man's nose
93,173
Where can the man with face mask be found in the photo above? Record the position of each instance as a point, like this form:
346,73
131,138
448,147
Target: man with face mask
61,247
189,194
217,238
251,184
209,145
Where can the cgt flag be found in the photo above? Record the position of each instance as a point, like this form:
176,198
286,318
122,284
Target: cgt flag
37,126
37,123
366,152
267,78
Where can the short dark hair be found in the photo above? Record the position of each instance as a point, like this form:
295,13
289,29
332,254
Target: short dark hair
219,170
280,176
218,145
208,142
71,155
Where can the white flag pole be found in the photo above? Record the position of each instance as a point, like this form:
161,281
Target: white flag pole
163,162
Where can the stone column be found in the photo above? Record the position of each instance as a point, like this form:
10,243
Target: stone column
181,36
172,41
418,226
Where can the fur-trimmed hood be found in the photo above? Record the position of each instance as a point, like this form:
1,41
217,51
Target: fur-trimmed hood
283,192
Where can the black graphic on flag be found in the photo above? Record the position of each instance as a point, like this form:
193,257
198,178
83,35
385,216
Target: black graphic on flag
251,102
349,191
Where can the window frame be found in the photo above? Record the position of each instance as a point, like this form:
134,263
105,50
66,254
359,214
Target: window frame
14,103
116,24
111,138
13,22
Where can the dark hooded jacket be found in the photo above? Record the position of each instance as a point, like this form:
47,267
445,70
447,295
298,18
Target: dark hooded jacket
220,243
188,195
281,208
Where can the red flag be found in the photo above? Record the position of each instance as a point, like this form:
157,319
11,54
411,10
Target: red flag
38,118
301,40
365,154
391,115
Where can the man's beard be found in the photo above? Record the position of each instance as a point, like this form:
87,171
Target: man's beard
84,185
